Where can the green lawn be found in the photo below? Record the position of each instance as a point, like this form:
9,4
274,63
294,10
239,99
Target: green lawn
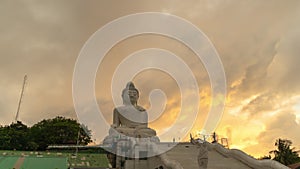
45,163
7,162
52,159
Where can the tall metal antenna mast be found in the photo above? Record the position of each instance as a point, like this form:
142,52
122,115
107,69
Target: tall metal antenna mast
22,92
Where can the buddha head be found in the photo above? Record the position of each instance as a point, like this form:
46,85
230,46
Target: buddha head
130,94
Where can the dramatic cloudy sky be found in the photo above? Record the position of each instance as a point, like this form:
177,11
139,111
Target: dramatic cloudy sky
258,43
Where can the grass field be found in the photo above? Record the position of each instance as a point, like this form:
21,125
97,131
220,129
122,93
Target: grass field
7,163
55,160
44,163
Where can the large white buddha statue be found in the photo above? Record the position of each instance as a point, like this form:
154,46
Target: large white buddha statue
130,119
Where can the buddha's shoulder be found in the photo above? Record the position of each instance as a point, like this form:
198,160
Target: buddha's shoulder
124,108
140,108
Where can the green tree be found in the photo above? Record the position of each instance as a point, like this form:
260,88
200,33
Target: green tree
59,131
4,138
14,136
19,136
284,153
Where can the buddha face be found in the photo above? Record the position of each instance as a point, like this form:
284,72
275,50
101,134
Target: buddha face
133,96
130,97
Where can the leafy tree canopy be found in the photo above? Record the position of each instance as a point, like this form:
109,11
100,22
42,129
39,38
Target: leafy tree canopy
59,131
284,153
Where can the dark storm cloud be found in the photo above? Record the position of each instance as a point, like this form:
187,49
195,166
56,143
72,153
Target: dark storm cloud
262,103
